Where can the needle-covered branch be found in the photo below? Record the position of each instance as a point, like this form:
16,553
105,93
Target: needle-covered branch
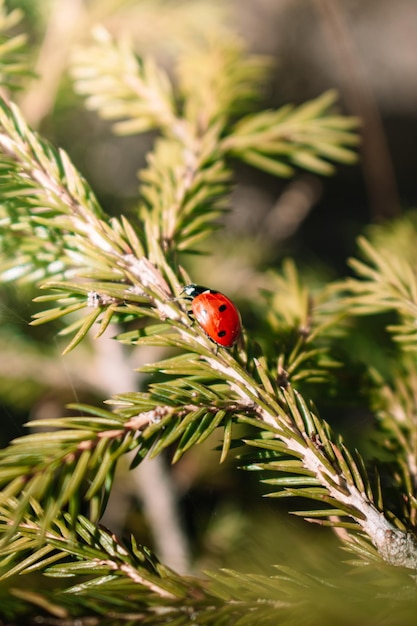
95,270
124,282
308,137
14,53
385,283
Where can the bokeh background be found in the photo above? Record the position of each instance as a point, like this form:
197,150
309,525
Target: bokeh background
368,52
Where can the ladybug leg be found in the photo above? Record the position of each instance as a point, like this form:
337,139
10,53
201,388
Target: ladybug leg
191,317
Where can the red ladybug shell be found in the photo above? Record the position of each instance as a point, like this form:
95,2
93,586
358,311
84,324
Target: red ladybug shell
216,314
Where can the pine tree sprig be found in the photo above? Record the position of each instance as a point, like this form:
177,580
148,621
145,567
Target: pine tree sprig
44,199
14,53
54,230
289,419
183,193
394,407
122,87
96,553
287,593
219,79
306,136
384,283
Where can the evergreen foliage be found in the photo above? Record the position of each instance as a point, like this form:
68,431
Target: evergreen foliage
97,270
14,62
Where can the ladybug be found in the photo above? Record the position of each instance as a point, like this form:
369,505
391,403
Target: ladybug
216,314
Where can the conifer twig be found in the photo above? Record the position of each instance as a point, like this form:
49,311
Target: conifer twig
97,270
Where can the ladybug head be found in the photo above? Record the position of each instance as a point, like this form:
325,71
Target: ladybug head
192,290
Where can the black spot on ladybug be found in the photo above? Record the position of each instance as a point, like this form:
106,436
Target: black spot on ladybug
222,307
221,333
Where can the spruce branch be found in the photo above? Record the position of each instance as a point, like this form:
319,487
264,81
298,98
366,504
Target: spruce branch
295,432
394,405
14,56
385,283
185,183
184,186
43,198
90,553
119,582
214,82
341,480
219,79
118,269
122,87
306,321
302,435
183,194
138,287
308,136
79,459
49,205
